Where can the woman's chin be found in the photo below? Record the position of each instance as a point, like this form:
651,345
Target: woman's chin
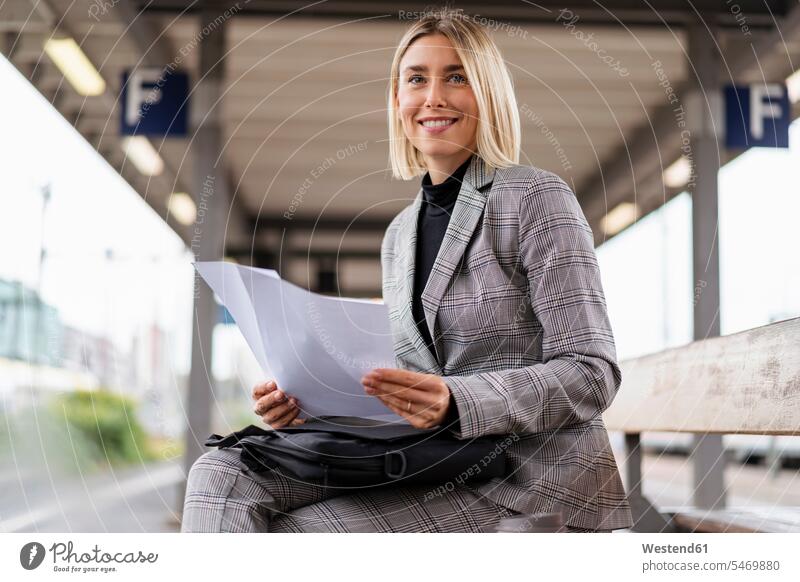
439,149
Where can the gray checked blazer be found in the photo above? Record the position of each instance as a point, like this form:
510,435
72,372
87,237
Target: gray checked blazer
516,309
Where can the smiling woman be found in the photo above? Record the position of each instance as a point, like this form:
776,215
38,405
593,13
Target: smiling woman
440,90
497,314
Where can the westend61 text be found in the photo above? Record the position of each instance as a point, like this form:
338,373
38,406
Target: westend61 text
675,549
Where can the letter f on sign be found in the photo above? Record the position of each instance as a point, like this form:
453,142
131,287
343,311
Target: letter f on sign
759,108
142,88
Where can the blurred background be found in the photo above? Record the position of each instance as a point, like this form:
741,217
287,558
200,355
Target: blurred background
99,223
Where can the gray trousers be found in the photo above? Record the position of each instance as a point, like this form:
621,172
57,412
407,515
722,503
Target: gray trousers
223,495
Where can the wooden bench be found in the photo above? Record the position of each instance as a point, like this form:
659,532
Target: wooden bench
745,383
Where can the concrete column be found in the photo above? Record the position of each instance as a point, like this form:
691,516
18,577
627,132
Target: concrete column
210,192
705,120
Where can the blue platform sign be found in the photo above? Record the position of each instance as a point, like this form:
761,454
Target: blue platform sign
155,103
757,116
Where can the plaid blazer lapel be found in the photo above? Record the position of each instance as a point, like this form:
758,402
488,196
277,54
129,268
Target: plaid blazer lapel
467,212
421,358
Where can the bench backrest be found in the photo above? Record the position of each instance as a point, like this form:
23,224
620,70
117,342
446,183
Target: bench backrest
748,383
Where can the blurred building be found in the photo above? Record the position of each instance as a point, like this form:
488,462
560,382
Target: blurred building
30,329
38,352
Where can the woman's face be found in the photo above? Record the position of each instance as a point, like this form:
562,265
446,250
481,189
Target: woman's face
435,100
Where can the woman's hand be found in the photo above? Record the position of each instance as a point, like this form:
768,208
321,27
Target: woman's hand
423,399
274,408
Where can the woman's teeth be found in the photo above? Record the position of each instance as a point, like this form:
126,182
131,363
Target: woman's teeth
438,123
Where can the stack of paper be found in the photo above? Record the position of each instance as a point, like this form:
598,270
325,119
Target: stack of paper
316,348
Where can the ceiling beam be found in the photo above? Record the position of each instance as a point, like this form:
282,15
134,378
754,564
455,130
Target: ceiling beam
610,12
336,223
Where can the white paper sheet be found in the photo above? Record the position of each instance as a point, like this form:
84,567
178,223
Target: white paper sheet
316,348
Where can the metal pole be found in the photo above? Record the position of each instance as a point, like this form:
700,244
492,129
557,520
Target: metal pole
704,107
208,235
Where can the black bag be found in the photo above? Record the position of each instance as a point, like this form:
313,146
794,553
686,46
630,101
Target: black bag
347,452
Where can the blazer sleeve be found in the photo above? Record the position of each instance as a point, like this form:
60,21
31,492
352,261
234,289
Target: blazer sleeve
578,376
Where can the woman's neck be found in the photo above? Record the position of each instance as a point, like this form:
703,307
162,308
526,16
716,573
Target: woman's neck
441,168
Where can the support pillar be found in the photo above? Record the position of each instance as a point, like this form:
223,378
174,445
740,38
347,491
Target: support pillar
210,192
704,114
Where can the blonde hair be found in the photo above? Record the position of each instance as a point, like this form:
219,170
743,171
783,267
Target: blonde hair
498,131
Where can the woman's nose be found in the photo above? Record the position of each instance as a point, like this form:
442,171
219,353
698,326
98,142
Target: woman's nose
435,96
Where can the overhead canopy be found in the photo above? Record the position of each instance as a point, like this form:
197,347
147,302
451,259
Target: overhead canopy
304,104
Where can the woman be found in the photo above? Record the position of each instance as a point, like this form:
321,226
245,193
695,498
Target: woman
497,313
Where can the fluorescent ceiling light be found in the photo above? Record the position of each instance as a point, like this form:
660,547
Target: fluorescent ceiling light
182,207
793,86
143,155
678,173
75,66
620,217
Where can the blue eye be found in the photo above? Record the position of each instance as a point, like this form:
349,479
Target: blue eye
459,79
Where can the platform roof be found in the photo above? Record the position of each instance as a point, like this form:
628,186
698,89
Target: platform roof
303,84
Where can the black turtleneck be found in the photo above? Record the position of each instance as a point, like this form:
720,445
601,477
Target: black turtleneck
434,215
437,206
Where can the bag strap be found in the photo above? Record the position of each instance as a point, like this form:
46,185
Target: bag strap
233,439
387,466
256,462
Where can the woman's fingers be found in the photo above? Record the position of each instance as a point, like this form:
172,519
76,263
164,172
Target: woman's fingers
260,390
402,403
280,420
375,385
423,399
278,411
417,420
406,378
420,416
264,388
272,399
411,385
382,388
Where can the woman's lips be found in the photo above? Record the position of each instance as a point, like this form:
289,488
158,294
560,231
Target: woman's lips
433,130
